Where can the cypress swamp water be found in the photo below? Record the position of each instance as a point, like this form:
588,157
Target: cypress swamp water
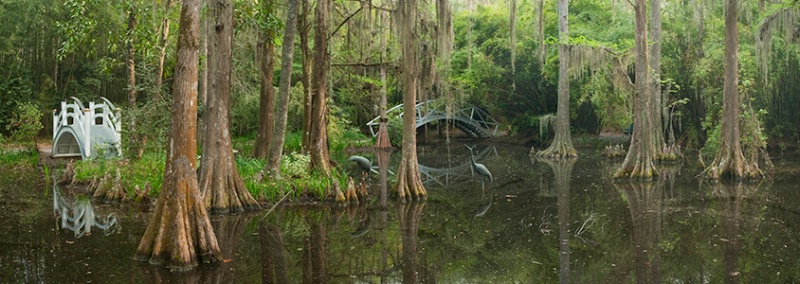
536,222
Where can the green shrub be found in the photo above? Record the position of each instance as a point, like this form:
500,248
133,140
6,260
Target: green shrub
26,123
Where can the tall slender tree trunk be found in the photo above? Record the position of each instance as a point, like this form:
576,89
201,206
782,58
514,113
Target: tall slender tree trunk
304,28
282,107
639,161
130,63
512,19
409,183
222,187
203,96
382,140
266,110
444,19
318,135
162,46
179,232
540,31
562,143
730,162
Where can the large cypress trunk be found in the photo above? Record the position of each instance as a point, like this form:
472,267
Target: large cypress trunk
639,161
730,161
409,184
222,186
562,143
179,233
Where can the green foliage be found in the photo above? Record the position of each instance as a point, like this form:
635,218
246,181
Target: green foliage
295,176
26,123
19,157
152,122
341,133
147,170
395,129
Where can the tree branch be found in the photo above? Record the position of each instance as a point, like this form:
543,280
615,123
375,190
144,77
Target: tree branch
376,64
345,21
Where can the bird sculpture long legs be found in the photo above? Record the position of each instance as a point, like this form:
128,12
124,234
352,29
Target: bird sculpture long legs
479,168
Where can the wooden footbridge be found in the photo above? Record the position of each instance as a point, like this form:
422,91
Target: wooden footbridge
84,132
471,120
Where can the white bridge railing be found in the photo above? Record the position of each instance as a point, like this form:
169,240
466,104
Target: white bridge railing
479,122
77,130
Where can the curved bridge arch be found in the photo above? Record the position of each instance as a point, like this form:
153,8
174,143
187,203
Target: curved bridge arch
471,120
86,132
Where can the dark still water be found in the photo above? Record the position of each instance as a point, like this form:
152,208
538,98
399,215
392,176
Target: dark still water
536,222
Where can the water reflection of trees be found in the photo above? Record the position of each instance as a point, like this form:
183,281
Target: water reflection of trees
229,230
645,204
409,215
562,171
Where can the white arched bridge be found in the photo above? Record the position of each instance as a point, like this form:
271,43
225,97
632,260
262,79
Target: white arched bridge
86,132
471,120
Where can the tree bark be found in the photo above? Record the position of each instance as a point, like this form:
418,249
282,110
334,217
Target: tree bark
512,19
222,187
639,161
306,77
179,232
318,135
562,143
382,141
162,46
540,30
409,183
659,116
130,63
730,162
282,107
203,96
266,67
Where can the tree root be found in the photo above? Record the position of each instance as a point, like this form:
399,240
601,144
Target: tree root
557,151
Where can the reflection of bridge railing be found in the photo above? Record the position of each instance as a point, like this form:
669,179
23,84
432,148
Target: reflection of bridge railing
81,217
79,131
446,177
471,120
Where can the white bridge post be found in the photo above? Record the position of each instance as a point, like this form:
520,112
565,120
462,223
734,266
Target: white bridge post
55,123
88,116
118,130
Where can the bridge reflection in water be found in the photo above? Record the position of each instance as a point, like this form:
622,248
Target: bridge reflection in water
445,177
79,216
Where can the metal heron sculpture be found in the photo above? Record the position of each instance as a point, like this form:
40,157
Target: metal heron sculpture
365,164
479,168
